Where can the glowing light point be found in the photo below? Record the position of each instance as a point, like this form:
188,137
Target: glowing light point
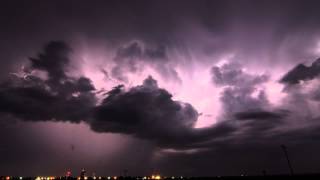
68,173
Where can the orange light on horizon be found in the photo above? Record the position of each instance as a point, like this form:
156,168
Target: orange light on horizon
155,177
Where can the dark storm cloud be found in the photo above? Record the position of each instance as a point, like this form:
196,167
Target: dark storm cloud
241,99
253,147
53,60
258,115
257,121
251,156
302,73
232,74
266,126
148,112
239,87
259,32
259,124
59,98
301,87
135,56
169,23
145,111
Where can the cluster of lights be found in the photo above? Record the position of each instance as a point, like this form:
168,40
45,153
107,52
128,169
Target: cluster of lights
159,177
8,178
152,177
95,178
45,178
156,177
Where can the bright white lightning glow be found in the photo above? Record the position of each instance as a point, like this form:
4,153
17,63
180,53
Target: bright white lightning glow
274,92
196,88
196,85
317,48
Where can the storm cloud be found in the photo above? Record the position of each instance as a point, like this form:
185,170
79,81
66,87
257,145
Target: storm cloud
145,111
302,73
134,56
239,87
149,112
58,97
226,65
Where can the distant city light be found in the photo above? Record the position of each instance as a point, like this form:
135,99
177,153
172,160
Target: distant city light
68,173
20,177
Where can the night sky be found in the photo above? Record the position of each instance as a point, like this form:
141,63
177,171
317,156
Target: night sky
191,88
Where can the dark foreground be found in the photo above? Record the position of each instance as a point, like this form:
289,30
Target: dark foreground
316,176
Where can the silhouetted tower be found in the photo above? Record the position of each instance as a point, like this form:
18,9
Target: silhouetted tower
284,148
